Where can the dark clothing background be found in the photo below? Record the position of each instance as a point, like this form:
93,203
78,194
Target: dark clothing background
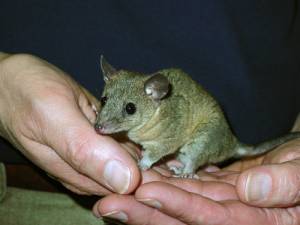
246,53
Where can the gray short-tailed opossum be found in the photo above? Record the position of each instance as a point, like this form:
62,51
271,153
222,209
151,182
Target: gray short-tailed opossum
167,112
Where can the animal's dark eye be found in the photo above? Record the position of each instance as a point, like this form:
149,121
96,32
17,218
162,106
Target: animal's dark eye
103,100
130,108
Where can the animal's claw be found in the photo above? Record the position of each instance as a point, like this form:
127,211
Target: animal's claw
187,176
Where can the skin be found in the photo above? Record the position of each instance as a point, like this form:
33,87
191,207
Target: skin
228,196
49,118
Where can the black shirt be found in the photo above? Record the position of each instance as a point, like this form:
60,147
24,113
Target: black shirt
246,53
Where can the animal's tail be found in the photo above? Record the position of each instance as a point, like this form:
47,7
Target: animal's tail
248,150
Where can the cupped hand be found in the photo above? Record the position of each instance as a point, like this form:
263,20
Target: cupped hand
260,191
49,117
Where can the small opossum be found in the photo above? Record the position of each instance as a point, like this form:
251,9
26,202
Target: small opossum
167,112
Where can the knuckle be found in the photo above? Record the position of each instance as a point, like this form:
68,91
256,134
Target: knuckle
287,184
75,189
190,216
152,218
280,217
296,183
78,153
289,155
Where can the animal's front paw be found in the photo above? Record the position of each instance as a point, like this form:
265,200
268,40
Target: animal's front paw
176,169
179,172
144,164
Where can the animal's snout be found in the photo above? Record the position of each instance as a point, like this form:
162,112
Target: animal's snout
99,128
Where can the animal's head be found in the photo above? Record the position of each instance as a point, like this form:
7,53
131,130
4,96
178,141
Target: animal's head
129,99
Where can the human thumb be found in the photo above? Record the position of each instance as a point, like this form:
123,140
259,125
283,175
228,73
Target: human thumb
274,185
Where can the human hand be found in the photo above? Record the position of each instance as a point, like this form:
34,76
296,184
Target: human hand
228,196
49,117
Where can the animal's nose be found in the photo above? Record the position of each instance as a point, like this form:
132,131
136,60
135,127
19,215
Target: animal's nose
98,127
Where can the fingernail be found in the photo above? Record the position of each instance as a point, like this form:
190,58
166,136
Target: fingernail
118,215
211,169
258,187
117,176
97,214
151,202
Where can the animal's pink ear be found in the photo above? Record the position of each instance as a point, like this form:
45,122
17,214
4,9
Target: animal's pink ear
157,86
108,70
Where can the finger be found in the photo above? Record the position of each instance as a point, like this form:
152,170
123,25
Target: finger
91,98
101,158
210,188
286,152
74,189
195,209
275,185
187,207
163,171
211,168
88,104
239,213
225,176
244,164
132,149
218,191
59,170
126,209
